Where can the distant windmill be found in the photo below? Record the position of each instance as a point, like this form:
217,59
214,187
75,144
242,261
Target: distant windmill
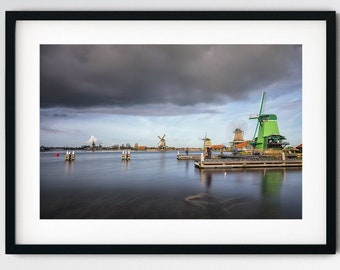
238,127
268,135
238,137
162,143
206,142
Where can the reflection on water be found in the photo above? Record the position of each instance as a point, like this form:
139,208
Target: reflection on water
69,167
264,199
272,183
251,193
206,178
156,185
187,162
125,165
162,159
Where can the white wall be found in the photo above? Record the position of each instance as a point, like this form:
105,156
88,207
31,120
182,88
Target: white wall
150,262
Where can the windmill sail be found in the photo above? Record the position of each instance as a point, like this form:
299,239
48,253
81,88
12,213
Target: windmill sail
257,117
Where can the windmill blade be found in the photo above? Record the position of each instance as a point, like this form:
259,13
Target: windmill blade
256,116
253,116
204,138
262,101
259,116
257,126
159,137
163,137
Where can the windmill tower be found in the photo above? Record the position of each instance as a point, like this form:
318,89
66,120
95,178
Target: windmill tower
238,137
239,128
206,142
161,144
266,135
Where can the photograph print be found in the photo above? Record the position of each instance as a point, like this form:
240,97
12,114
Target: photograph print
171,131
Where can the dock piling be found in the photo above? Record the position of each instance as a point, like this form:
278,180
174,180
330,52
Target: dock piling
126,155
202,158
69,156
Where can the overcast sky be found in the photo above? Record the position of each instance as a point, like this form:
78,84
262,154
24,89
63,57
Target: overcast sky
118,94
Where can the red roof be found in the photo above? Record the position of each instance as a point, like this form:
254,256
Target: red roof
242,144
217,146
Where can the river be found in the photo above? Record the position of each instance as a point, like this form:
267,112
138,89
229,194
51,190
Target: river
155,185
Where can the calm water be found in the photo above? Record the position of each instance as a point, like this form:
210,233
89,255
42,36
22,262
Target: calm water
156,185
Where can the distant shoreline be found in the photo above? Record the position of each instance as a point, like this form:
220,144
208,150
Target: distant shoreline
51,149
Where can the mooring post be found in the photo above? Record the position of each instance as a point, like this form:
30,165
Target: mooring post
202,158
283,156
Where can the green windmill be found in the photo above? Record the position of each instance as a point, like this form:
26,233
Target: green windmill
268,136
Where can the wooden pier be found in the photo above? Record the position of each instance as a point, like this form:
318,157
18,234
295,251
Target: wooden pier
193,157
247,163
189,157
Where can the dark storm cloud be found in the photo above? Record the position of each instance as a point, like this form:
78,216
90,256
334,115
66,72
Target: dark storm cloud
171,110
52,130
81,76
60,115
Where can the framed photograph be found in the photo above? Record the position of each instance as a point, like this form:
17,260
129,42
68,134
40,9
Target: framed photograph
170,132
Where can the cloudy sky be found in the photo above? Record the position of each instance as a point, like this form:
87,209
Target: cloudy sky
118,94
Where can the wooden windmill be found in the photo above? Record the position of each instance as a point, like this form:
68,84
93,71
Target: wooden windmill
206,142
239,128
161,144
238,137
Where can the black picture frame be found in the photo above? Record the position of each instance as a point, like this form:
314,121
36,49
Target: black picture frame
12,17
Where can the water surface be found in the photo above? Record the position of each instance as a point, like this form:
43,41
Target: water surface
155,185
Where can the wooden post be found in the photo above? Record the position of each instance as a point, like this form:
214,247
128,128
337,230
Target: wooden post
202,158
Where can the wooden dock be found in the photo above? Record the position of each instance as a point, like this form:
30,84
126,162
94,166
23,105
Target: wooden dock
247,163
189,157
193,157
